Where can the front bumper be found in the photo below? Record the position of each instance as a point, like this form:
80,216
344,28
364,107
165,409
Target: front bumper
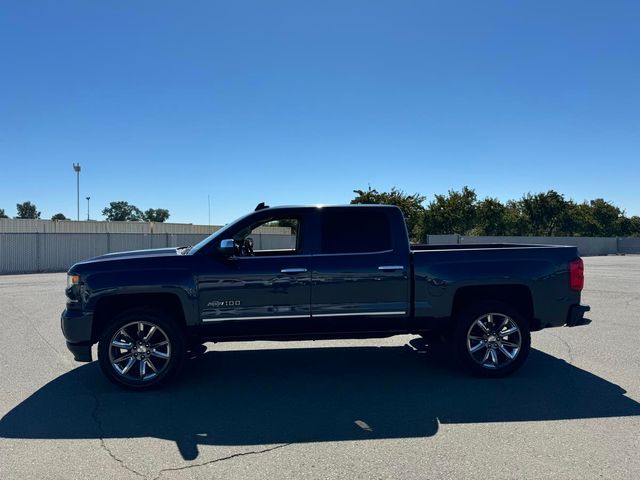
81,352
76,328
575,316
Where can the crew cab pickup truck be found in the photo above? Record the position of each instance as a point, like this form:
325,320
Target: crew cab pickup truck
337,272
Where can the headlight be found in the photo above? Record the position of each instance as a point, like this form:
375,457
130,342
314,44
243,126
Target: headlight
73,291
72,280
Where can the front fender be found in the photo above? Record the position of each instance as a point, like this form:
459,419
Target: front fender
180,282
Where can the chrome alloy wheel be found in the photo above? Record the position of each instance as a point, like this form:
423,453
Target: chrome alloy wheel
494,340
139,351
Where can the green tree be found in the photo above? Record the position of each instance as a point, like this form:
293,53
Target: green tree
545,213
607,217
451,213
579,219
27,210
156,215
490,217
2,214
515,220
494,218
411,206
624,227
121,212
59,216
634,226
599,218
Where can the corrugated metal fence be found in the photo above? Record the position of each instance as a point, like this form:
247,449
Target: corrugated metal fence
629,245
56,252
26,225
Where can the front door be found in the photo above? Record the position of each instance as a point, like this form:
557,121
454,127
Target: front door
264,288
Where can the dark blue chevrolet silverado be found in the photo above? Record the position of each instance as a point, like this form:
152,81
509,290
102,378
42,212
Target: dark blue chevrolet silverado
338,272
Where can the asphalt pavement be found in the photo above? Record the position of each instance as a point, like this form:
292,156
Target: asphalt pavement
327,409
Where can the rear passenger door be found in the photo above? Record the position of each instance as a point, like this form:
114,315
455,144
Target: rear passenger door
359,281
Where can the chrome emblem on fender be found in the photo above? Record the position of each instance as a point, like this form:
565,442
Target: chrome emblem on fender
224,303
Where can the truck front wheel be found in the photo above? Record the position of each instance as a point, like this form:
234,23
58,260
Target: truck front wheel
141,349
492,339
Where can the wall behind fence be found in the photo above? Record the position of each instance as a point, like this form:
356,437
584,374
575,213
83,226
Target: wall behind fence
629,245
56,252
587,246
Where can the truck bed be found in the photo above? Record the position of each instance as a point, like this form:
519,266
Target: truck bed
443,272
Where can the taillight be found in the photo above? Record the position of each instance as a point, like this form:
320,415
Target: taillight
576,275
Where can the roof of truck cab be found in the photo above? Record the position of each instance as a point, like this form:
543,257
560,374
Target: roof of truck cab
359,205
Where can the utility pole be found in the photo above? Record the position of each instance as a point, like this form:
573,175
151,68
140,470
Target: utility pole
88,198
76,168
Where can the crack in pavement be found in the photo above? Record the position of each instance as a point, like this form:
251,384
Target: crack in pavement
60,357
566,344
103,445
222,459
570,361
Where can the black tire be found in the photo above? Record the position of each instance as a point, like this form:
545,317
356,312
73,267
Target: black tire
470,334
167,339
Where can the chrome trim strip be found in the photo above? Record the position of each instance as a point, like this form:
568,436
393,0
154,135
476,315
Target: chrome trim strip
350,314
220,319
391,267
293,270
356,314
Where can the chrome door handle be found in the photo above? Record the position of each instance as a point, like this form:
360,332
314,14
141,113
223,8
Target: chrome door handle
293,270
390,268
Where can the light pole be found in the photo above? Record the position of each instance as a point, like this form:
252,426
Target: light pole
76,168
88,198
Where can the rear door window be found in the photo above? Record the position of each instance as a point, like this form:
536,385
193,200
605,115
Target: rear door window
355,230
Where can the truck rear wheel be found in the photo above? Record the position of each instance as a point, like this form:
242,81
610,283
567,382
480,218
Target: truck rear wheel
492,339
141,349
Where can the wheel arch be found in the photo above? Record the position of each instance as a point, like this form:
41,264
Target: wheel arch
109,306
516,295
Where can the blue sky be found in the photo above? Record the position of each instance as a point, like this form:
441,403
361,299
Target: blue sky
164,103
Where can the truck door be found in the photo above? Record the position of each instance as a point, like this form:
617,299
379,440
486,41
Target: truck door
360,277
265,288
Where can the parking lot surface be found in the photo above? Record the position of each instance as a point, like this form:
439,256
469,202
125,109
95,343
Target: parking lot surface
327,409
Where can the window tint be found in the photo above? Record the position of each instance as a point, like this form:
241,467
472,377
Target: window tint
355,230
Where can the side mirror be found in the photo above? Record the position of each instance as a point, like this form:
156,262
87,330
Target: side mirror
227,247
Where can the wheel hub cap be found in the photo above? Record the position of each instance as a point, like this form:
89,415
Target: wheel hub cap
140,351
494,340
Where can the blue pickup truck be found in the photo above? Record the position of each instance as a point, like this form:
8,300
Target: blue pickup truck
337,272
